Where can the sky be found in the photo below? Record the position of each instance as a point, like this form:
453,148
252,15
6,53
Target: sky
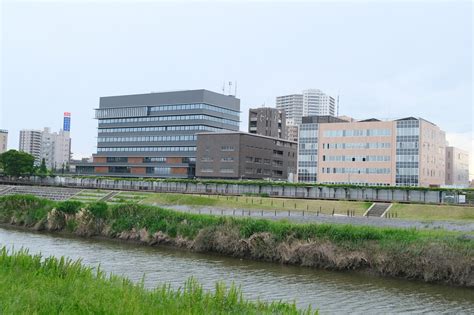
384,59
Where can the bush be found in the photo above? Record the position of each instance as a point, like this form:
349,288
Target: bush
99,209
70,206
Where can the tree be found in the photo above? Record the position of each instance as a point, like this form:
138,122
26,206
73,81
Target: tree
43,171
16,163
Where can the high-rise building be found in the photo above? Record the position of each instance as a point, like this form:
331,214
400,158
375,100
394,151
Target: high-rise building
404,152
309,103
53,147
315,102
154,135
30,142
457,167
266,121
3,140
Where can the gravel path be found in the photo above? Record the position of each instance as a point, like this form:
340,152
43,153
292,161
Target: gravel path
305,217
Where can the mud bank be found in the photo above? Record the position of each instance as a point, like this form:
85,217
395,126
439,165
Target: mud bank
431,256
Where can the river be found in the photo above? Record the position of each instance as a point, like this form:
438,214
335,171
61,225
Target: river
330,292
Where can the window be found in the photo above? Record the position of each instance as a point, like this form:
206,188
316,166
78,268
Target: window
227,159
117,160
154,160
227,148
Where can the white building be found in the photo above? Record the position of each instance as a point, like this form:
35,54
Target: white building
3,140
30,142
310,102
53,147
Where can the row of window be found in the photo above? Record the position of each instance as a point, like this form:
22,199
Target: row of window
222,170
147,149
148,138
357,145
357,133
116,159
194,106
223,159
169,118
250,159
163,128
358,158
121,112
355,170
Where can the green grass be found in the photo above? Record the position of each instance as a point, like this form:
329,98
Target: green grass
258,203
33,285
433,212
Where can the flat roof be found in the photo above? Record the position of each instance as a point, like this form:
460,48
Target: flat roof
245,134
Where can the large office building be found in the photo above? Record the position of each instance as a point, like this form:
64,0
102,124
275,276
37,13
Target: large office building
457,167
239,155
3,140
30,142
266,121
404,152
53,147
154,134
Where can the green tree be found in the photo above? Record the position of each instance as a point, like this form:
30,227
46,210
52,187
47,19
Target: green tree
42,171
16,163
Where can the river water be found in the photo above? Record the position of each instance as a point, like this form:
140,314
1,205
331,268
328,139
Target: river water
330,292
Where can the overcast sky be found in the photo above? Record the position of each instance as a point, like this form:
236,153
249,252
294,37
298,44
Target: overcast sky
385,60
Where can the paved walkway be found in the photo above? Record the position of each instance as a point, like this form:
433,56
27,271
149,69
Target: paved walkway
306,217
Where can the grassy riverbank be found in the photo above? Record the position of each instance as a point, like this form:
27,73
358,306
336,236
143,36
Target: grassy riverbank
429,255
32,285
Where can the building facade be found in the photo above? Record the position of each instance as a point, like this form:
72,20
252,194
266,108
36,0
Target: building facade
457,167
239,155
404,152
266,121
154,135
3,140
315,102
30,142
308,146
292,105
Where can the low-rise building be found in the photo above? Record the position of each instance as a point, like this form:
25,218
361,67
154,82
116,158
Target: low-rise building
457,167
240,155
404,152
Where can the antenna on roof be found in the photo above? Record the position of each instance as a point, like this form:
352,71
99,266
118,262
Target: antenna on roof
235,89
223,87
230,87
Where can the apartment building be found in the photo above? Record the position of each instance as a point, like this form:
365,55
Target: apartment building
457,167
315,102
30,142
239,155
53,147
3,140
404,152
154,135
267,121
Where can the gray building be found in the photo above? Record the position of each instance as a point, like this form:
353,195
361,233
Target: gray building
240,155
267,121
308,146
3,140
154,135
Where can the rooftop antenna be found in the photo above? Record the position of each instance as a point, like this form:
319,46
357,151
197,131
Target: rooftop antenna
223,87
230,87
235,89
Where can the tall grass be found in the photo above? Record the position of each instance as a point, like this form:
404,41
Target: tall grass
32,284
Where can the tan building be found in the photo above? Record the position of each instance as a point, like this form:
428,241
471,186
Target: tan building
457,167
404,152
3,140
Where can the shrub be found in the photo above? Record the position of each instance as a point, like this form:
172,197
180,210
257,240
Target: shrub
99,209
70,206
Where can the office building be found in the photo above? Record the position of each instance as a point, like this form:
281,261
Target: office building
457,167
266,121
154,134
53,147
30,142
292,105
308,146
239,155
404,152
3,140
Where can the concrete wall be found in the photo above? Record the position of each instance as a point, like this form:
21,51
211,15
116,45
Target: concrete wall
313,192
